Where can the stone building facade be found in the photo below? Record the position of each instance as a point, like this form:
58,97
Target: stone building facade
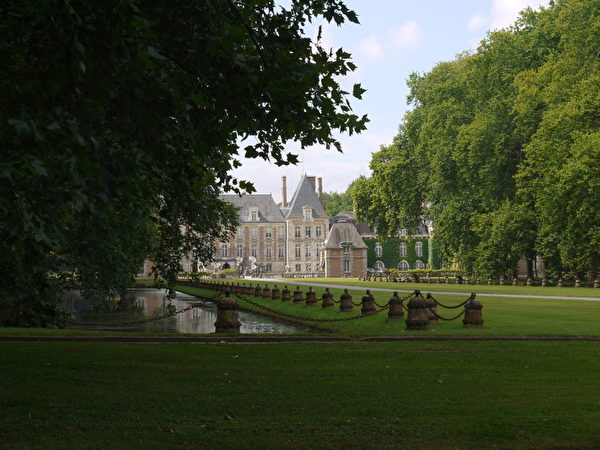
345,252
405,251
277,239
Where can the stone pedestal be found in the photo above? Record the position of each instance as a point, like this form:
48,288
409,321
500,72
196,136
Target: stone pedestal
396,310
368,303
346,302
275,294
327,299
298,298
431,308
266,292
473,313
311,297
227,316
417,317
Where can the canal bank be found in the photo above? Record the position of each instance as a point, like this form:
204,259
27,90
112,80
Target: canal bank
151,313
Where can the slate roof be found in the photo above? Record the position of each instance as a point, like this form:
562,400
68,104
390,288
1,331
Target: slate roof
268,211
343,232
305,195
421,230
348,216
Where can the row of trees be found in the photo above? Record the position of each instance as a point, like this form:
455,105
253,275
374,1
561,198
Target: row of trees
501,150
121,121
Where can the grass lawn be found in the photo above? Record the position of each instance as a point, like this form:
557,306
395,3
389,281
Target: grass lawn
503,316
339,395
441,287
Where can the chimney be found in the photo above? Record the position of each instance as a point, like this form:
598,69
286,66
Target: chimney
312,182
320,188
284,192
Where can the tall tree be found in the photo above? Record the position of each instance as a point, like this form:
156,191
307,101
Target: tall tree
558,103
498,150
121,121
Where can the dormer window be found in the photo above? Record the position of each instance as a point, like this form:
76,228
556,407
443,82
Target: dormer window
254,214
307,213
346,249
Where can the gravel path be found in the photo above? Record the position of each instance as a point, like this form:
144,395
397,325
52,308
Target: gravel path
341,286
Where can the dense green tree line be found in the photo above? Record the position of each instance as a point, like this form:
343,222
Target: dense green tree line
121,121
501,149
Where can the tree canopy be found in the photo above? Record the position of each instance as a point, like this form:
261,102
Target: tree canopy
500,148
122,120
336,202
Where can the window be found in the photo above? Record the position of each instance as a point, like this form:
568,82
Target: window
346,249
419,248
307,213
378,250
419,264
240,251
309,267
268,232
254,232
254,251
403,265
224,249
281,251
296,232
268,268
254,214
402,248
307,232
269,250
318,231
318,252
308,250
346,265
298,268
379,265
298,252
403,232
239,233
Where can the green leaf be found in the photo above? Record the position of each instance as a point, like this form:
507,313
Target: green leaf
358,91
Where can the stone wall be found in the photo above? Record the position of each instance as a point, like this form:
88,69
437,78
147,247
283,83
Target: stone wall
334,262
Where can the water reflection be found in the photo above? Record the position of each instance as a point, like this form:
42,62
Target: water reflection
153,302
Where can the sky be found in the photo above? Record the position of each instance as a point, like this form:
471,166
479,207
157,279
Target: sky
394,39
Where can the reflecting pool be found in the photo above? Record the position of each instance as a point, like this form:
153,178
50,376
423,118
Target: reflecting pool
153,302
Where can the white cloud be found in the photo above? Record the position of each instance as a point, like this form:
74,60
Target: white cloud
505,12
371,47
407,35
336,170
476,22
